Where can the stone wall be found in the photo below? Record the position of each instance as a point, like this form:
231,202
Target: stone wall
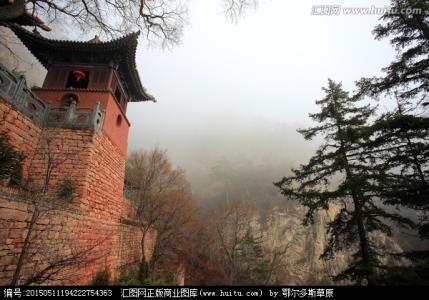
131,237
23,133
88,228
59,235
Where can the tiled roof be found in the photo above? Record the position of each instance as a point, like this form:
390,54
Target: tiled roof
122,49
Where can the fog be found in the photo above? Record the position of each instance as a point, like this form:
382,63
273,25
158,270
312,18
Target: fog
200,147
237,91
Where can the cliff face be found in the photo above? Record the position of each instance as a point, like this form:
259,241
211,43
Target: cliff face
301,263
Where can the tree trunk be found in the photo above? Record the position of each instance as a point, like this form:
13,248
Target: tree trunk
363,239
358,201
417,165
20,263
142,245
143,270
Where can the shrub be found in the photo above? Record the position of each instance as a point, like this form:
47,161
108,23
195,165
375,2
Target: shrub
67,189
404,276
139,275
10,161
143,271
167,279
127,280
101,278
130,278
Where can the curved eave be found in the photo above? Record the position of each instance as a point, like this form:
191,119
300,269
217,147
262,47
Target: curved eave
125,47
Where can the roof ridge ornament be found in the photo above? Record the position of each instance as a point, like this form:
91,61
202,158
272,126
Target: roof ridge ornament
95,40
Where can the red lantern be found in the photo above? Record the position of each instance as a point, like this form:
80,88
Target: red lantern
79,74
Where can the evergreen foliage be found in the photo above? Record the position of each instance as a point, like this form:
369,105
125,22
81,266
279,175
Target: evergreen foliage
407,26
253,260
399,139
343,174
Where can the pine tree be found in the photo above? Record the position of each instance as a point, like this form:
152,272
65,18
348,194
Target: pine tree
342,157
254,264
407,24
400,138
398,143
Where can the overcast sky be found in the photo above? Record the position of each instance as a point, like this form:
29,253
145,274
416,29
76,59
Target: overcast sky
238,91
241,89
